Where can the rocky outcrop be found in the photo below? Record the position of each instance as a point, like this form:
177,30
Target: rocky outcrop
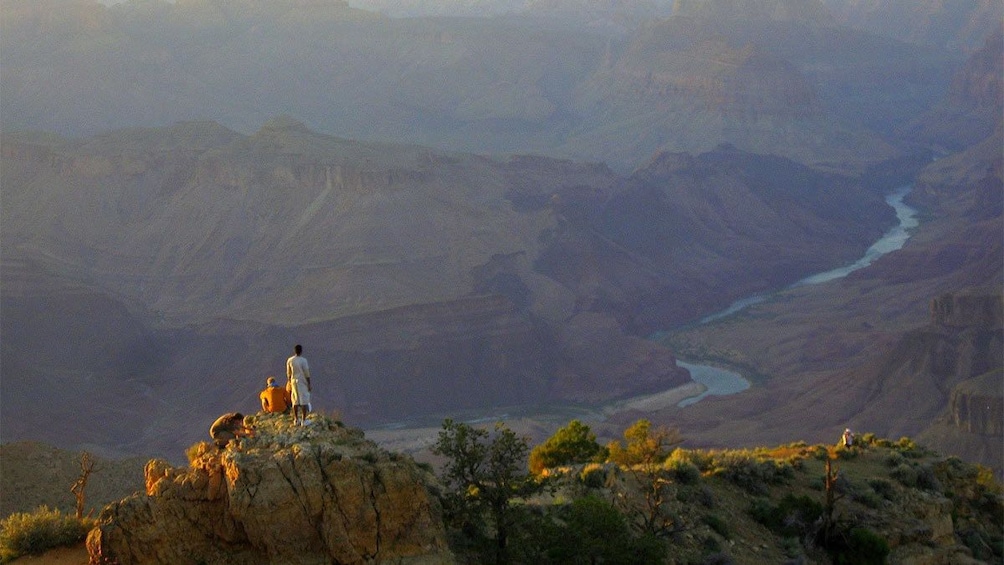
969,310
294,495
977,405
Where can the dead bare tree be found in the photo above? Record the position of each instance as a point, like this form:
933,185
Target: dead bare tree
832,496
79,488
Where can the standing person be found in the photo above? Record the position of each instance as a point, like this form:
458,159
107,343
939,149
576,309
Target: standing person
298,373
848,438
274,399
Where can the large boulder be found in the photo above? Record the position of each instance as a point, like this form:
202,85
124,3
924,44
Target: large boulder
320,493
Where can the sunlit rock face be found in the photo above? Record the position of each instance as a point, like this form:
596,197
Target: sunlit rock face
320,493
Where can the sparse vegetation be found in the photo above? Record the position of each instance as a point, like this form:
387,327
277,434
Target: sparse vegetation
30,533
197,450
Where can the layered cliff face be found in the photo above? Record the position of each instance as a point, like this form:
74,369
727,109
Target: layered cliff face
977,405
317,494
974,104
967,310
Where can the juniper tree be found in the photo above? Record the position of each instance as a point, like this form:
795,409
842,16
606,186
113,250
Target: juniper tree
485,471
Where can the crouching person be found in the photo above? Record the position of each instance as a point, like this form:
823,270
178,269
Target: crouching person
229,427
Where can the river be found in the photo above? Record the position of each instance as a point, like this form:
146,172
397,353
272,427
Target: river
723,382
707,380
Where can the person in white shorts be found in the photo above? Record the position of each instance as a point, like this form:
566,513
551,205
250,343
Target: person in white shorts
298,375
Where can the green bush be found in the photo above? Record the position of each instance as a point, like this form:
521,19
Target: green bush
753,475
574,443
715,522
683,472
593,476
863,547
883,488
846,453
793,516
894,459
589,530
909,448
36,532
906,474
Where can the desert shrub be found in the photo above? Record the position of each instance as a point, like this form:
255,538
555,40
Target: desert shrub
906,474
197,450
927,479
793,516
917,476
752,474
981,545
718,559
883,488
703,460
867,497
706,496
820,452
861,547
792,547
894,459
589,530
593,476
28,533
846,453
683,472
716,523
909,448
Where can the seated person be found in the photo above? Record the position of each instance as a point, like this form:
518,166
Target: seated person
229,427
274,399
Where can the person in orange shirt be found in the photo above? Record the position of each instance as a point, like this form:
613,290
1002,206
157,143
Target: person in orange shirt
274,399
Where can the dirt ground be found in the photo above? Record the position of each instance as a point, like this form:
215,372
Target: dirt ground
76,555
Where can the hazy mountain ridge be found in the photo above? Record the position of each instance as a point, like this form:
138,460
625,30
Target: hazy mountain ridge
513,84
922,21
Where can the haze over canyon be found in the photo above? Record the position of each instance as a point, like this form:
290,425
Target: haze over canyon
459,208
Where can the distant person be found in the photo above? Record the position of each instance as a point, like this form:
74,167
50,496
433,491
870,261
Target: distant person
274,399
229,427
848,438
298,374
